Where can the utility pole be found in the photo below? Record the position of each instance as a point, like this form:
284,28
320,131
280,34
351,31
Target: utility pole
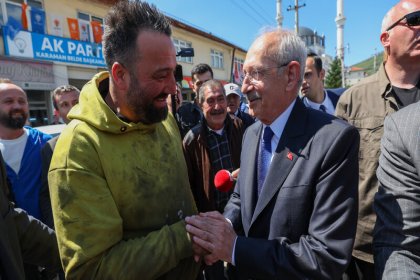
279,16
296,8
374,61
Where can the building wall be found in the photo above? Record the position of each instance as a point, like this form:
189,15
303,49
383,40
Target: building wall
353,77
78,74
202,47
70,9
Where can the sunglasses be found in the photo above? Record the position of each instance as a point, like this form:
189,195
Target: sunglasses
413,19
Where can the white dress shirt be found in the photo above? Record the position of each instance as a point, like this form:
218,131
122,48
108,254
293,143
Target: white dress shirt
329,107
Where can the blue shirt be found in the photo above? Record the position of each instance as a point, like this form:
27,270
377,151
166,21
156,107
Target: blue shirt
26,184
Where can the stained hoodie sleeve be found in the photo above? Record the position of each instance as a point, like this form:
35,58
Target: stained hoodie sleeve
90,229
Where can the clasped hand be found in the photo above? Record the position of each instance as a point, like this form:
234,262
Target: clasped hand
212,235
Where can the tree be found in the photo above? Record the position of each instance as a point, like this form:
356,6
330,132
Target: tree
333,79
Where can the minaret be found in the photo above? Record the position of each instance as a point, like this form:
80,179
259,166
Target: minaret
340,20
279,16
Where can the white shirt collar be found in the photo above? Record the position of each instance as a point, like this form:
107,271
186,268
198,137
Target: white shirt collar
327,104
219,131
278,125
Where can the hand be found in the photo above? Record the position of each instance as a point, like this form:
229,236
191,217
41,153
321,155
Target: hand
198,252
213,233
235,174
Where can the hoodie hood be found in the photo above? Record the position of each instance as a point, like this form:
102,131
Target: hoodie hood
93,110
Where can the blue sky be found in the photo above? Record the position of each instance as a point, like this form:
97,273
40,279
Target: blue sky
239,21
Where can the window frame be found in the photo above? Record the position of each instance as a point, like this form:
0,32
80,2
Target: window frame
182,44
3,9
217,56
91,18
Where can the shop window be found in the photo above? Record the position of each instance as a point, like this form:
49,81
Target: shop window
217,60
38,107
13,8
182,44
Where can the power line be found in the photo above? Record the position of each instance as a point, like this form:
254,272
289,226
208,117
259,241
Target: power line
262,9
246,12
257,12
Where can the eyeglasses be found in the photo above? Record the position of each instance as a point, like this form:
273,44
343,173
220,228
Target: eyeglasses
413,19
257,75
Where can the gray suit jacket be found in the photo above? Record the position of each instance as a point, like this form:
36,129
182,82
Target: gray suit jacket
397,203
304,222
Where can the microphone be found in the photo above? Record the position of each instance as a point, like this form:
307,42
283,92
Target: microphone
223,180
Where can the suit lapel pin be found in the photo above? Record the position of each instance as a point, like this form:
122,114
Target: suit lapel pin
289,155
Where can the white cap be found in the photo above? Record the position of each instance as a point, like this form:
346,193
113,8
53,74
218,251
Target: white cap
232,88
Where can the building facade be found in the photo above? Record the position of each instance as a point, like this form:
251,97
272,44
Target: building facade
48,43
315,43
354,75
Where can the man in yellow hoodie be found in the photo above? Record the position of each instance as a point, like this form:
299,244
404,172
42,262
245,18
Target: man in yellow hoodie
118,180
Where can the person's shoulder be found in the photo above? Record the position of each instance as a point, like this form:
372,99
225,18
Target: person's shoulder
319,120
246,115
186,107
253,129
37,134
192,134
411,112
335,91
365,86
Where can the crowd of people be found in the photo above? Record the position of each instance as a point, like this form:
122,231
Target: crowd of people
326,183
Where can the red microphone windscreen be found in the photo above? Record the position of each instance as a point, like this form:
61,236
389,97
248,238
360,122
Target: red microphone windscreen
223,180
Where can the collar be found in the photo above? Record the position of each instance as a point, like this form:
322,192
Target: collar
315,105
277,126
384,83
218,132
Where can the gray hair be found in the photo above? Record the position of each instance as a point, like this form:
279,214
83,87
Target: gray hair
289,47
212,84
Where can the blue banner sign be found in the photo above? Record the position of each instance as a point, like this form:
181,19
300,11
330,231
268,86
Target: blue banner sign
52,48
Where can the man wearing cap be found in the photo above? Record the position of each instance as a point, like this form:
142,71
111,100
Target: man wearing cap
213,144
233,96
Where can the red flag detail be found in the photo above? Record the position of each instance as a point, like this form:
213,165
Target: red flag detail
73,28
236,73
289,155
97,31
24,17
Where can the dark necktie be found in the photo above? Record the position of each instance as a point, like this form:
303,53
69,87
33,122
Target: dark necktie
322,108
265,157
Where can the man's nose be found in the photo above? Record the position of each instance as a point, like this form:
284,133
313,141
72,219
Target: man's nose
246,87
17,105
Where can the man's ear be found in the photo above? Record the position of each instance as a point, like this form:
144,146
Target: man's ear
293,75
322,74
385,40
120,76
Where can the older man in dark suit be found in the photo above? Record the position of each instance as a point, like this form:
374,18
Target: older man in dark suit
396,237
294,209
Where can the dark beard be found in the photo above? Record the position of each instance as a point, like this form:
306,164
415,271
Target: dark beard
154,115
13,122
149,113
